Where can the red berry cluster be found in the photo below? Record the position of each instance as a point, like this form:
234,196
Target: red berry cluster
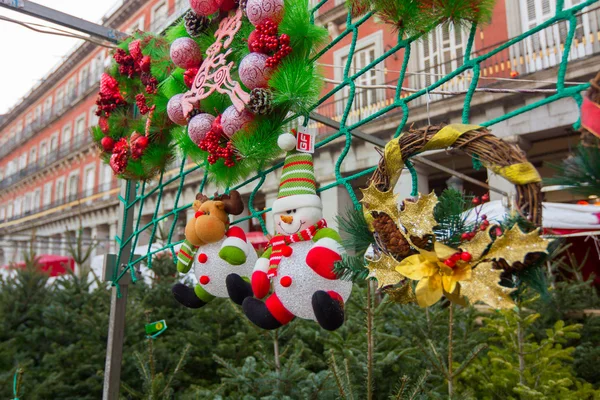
284,50
140,100
109,97
218,145
265,40
480,200
138,143
189,76
454,258
127,65
150,82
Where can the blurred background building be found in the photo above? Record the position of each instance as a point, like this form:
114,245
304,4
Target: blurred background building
52,182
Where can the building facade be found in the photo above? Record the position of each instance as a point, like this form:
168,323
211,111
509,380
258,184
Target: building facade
52,182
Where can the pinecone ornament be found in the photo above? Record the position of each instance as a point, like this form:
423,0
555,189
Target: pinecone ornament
390,236
195,24
242,5
261,101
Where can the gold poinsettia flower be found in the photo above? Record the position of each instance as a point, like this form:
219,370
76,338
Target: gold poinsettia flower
434,273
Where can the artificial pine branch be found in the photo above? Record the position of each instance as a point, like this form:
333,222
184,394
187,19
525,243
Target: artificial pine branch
581,171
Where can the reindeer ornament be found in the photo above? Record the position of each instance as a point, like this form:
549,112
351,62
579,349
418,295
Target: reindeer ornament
216,250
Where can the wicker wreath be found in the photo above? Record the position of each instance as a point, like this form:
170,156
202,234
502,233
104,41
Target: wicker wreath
505,159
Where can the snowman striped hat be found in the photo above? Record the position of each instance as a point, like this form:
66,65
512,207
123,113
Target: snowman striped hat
297,187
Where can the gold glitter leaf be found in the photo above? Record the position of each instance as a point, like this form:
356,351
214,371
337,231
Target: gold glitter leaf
401,295
417,217
478,245
484,287
384,202
514,245
384,270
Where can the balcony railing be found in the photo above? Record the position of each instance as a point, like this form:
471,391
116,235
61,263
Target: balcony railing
77,143
542,51
58,110
82,195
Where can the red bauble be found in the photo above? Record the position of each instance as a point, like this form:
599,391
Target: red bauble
450,263
227,5
103,124
107,143
138,144
145,64
466,256
216,125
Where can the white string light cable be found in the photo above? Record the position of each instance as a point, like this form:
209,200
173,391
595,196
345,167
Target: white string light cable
55,31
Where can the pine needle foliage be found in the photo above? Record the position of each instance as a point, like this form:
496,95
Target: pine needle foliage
356,239
581,171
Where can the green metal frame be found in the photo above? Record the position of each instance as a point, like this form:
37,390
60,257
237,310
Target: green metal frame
143,191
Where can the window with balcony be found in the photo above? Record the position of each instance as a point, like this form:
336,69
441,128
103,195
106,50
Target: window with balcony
137,25
32,155
37,196
27,203
28,123
365,99
60,100
23,161
2,214
43,151
97,67
38,116
59,193
544,49
54,142
65,141
47,194
107,177
93,119
441,52
47,109
90,179
17,206
11,168
71,94
80,128
159,15
9,211
73,186
84,80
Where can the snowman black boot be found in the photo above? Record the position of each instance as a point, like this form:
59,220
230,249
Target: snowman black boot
186,296
268,315
329,309
238,288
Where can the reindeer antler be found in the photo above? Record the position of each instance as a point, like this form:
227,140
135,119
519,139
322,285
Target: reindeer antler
233,203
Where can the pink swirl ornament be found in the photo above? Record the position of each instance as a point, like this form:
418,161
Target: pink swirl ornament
199,126
260,10
233,121
205,7
185,53
175,111
253,71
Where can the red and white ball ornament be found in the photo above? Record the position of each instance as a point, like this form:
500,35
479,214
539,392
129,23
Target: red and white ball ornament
254,72
232,120
199,126
260,10
175,111
205,7
186,53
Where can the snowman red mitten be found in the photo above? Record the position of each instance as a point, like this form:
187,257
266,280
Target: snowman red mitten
325,253
234,249
261,284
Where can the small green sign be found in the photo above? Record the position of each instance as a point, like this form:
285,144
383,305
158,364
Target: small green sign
156,328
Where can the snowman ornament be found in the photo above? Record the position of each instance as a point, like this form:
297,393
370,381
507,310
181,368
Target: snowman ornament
298,265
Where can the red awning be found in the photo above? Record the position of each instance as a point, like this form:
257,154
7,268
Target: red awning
51,264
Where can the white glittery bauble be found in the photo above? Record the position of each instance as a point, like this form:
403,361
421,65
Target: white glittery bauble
199,126
204,7
232,120
174,110
260,10
185,53
217,269
253,71
297,298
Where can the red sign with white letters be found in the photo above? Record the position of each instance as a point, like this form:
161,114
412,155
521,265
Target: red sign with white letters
305,142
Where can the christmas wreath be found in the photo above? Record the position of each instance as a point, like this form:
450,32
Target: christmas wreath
430,241
244,70
134,133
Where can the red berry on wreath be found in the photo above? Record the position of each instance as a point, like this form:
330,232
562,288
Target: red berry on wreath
485,198
189,76
466,256
107,143
476,200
